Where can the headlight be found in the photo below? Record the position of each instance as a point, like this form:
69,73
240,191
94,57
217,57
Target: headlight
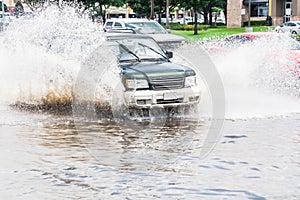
190,81
136,84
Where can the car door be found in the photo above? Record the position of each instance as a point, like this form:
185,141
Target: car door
292,27
285,27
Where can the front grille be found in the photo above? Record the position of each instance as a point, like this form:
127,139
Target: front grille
162,101
165,83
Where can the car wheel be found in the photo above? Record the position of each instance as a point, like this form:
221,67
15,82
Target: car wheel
294,32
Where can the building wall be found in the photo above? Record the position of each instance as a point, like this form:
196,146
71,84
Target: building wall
276,11
296,10
234,17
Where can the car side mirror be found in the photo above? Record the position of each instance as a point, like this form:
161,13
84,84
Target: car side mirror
169,54
281,25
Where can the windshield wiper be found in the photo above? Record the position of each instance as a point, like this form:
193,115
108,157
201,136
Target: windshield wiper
128,51
165,57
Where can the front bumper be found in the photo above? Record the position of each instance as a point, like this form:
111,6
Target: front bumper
163,98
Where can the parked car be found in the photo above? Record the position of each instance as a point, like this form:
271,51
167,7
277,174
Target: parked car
220,20
290,27
290,47
186,20
149,79
164,20
145,26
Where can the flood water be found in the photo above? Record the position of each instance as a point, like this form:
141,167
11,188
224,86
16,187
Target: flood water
44,157
50,154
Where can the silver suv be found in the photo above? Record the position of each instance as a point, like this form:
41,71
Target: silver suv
144,26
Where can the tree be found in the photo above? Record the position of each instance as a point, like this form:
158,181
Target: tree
98,6
195,7
19,9
34,4
101,6
143,8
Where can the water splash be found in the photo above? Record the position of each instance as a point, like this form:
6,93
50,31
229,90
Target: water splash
258,81
40,56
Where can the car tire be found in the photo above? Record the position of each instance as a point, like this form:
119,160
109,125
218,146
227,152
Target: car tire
294,32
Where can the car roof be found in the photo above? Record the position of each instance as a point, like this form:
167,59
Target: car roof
121,36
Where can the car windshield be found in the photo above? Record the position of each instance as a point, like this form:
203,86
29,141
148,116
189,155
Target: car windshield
138,50
150,27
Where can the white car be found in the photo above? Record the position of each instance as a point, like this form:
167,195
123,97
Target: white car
187,20
144,26
220,20
289,27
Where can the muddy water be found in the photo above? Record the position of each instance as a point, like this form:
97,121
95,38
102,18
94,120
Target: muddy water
43,156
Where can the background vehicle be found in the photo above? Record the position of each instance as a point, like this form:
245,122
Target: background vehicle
145,26
289,48
187,20
291,27
220,20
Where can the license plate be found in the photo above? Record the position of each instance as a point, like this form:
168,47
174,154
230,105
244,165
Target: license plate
170,95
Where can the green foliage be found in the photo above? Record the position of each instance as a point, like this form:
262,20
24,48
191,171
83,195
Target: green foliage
193,23
216,33
296,36
188,27
218,24
216,9
255,23
102,6
19,9
140,7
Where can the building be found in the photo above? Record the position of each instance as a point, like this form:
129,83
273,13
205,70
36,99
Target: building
279,10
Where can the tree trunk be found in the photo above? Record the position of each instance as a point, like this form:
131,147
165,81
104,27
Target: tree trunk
205,15
195,9
167,14
196,23
210,16
152,10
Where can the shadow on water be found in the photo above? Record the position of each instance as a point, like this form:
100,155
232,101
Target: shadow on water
109,145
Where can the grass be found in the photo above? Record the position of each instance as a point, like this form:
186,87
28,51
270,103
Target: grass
219,32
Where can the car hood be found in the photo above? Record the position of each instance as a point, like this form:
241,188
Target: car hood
156,69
